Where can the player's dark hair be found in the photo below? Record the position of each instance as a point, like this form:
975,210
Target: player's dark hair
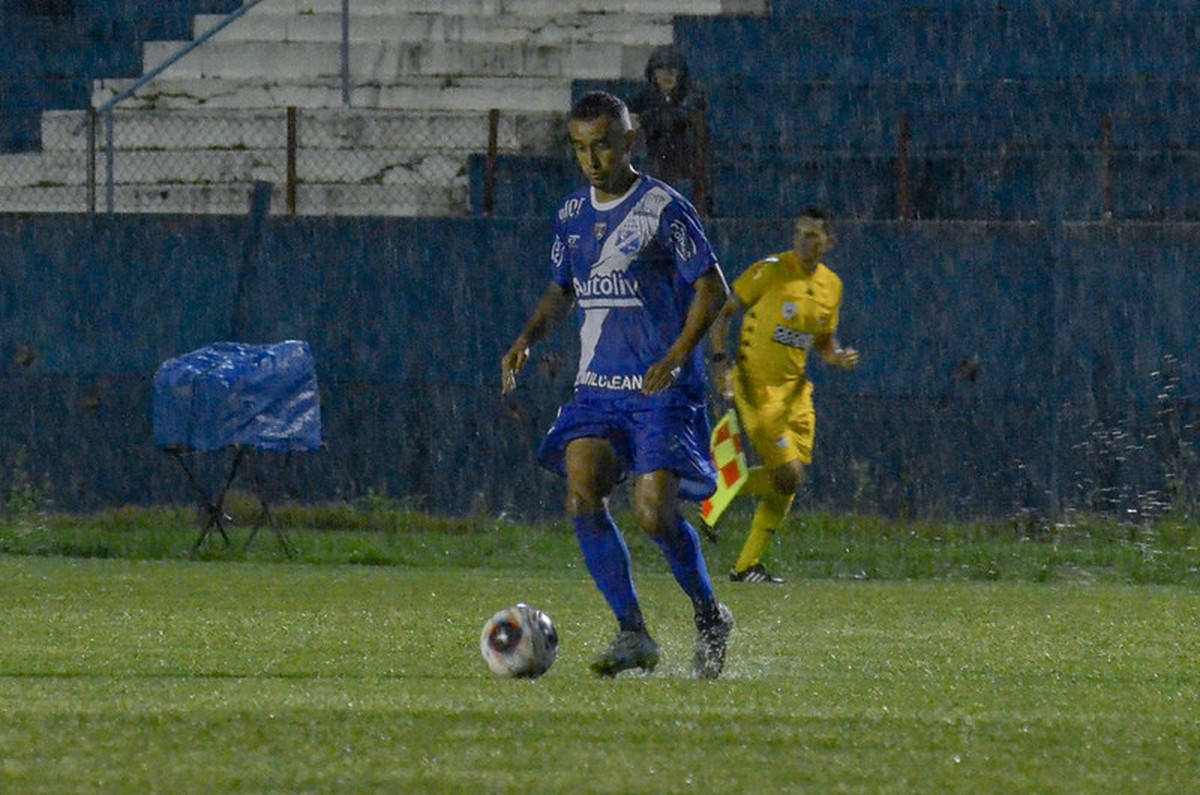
601,104
818,212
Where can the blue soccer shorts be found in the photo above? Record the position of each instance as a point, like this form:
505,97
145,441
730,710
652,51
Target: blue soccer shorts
648,434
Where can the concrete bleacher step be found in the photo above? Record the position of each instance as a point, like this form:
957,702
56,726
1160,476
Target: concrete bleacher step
371,161
539,8
425,74
374,167
234,199
398,27
328,128
414,93
385,62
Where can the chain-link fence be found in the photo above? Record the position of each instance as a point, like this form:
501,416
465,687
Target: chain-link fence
274,114
341,161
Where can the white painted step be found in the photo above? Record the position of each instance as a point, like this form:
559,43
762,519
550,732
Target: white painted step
540,8
372,167
317,200
336,128
284,62
414,93
644,29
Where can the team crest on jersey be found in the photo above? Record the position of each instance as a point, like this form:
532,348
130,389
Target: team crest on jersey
789,310
685,246
628,241
600,230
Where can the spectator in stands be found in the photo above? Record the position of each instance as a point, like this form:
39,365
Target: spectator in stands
790,304
669,113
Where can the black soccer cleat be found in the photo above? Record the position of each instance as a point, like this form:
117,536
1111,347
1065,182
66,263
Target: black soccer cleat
756,573
628,650
712,635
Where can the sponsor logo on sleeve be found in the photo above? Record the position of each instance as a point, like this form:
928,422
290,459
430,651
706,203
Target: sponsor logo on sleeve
685,246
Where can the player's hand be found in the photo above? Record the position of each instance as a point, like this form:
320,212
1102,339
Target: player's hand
846,358
512,363
724,380
661,375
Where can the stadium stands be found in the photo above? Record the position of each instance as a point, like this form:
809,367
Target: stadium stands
961,109
414,66
1013,111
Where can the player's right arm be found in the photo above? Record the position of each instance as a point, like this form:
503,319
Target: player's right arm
554,305
719,345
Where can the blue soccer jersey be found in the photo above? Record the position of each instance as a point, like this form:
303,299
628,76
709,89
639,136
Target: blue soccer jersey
631,264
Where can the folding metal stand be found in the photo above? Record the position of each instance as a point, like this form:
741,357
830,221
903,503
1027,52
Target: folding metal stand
212,503
237,398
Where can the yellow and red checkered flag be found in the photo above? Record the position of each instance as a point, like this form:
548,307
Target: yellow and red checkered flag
732,469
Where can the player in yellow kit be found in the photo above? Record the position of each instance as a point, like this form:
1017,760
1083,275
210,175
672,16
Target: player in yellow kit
790,304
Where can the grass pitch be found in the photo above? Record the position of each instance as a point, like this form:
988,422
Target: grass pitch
257,676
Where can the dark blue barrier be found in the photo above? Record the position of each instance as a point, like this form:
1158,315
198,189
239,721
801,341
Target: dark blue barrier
938,45
767,115
1050,184
1156,185
998,359
524,186
807,8
49,61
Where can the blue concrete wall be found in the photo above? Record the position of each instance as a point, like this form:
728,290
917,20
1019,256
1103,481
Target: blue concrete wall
408,319
857,46
52,52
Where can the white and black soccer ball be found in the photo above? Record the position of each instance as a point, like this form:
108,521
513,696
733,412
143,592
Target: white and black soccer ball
519,642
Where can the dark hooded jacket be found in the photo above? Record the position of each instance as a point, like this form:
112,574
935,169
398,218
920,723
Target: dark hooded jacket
669,122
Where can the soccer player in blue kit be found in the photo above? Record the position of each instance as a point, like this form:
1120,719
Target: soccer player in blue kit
631,254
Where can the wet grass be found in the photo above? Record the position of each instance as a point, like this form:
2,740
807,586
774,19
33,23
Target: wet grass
250,676
813,546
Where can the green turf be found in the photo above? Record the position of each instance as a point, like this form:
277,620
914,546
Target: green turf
228,676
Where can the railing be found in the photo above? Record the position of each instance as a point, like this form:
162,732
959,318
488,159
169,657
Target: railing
105,111
312,161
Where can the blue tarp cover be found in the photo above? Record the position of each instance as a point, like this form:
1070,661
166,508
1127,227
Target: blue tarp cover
231,393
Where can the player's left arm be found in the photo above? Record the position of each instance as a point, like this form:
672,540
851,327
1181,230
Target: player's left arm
832,352
708,297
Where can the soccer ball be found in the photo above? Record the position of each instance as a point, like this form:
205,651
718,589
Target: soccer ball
519,642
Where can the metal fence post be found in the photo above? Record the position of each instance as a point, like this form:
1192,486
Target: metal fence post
489,172
91,160
702,191
1106,166
903,187
292,136
345,53
109,182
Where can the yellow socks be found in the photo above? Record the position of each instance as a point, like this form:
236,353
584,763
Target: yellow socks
768,517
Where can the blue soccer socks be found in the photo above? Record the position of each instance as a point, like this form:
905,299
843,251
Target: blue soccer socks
607,559
682,551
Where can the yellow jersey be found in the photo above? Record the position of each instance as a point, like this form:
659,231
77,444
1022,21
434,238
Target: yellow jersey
785,310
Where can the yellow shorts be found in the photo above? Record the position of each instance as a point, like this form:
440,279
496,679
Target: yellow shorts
778,419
